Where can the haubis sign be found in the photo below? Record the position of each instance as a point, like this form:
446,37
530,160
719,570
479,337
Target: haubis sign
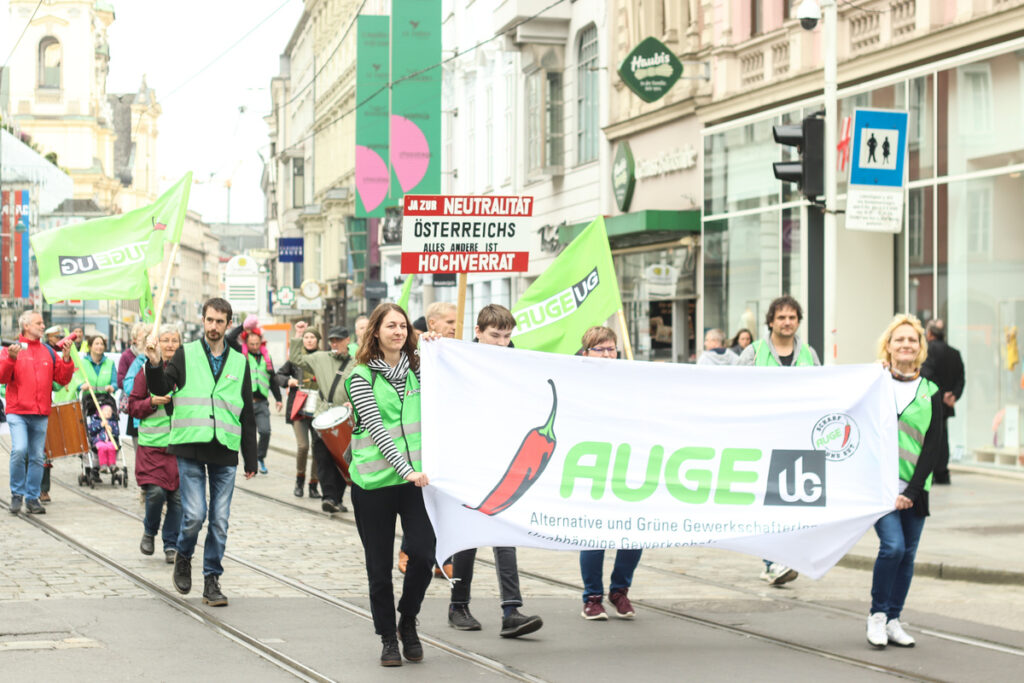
650,69
466,234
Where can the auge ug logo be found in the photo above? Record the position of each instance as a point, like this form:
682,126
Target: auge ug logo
837,434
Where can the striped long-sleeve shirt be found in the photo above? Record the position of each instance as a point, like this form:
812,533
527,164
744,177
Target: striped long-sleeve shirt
362,398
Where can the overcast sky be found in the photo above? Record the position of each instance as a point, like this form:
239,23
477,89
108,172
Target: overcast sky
211,124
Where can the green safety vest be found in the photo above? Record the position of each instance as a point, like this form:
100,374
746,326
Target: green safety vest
763,356
100,379
369,468
259,374
63,394
155,430
913,424
352,349
206,410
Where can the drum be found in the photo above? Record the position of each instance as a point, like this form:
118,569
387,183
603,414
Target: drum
311,404
65,431
335,428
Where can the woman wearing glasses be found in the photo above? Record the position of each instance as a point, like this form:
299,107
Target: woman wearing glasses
600,342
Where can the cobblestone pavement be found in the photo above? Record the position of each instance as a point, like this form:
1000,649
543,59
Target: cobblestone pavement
324,551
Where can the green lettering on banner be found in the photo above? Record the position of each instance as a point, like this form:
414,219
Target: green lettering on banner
702,478
415,98
729,475
373,164
574,469
646,489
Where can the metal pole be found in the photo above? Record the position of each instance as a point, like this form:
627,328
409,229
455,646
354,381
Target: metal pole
830,17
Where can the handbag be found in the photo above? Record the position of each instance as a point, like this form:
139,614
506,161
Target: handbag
300,400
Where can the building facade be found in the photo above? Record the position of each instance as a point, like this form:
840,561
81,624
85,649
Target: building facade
956,68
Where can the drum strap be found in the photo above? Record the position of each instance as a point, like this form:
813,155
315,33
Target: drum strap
334,384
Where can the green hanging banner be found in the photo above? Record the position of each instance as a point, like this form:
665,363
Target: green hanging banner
623,176
373,172
415,126
650,69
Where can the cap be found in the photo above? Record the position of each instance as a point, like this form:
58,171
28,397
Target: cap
338,333
53,329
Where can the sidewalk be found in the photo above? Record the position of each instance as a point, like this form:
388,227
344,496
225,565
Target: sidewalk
973,534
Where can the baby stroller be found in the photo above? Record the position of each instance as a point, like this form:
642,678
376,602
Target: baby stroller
90,474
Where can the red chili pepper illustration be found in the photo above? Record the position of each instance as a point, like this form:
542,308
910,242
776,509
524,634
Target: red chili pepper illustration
846,435
526,467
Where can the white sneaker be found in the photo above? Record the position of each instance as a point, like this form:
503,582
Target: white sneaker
877,631
897,636
777,574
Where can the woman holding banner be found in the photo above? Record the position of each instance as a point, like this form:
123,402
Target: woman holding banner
902,349
386,477
600,342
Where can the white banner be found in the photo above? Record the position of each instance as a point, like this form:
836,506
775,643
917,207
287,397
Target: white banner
571,453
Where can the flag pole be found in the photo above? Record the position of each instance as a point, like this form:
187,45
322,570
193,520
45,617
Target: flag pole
626,345
461,307
163,290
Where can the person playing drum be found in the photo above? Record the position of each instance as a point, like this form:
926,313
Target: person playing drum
331,369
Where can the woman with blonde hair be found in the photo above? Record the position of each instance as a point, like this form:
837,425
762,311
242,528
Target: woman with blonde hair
918,404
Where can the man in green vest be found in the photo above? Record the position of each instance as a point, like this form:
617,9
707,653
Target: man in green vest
263,385
212,420
781,348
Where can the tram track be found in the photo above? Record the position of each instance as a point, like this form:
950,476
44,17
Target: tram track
502,668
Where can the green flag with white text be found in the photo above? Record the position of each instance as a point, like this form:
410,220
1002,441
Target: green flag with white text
107,258
576,292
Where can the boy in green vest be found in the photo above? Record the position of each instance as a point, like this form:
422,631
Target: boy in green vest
213,418
781,348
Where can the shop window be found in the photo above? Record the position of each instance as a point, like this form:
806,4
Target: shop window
49,62
915,228
587,96
979,218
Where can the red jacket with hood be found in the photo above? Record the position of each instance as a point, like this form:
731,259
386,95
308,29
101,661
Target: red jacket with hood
30,378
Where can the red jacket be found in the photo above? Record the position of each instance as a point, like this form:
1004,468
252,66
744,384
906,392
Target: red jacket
30,379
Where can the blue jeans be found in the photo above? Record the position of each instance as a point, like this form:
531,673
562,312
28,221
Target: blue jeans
28,443
898,536
155,499
592,570
193,477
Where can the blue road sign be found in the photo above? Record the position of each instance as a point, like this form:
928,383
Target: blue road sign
879,148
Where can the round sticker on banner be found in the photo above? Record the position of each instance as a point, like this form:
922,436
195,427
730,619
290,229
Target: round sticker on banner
837,434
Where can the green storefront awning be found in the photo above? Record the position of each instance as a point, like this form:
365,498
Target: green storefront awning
640,227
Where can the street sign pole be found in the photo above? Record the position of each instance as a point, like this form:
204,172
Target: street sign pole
831,234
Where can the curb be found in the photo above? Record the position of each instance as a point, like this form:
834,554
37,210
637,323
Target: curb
939,570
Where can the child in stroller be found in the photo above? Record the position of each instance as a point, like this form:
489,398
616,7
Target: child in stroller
104,453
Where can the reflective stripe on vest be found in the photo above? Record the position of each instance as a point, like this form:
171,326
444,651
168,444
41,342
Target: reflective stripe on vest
93,377
155,430
259,375
205,410
913,424
401,418
763,356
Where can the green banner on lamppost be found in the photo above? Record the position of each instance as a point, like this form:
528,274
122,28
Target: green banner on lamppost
373,172
415,127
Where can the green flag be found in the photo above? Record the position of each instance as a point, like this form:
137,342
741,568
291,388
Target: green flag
106,258
147,309
576,292
403,300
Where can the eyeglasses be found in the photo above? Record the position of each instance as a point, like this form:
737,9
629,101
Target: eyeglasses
603,350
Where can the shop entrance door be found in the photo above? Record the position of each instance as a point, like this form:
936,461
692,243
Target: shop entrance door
662,330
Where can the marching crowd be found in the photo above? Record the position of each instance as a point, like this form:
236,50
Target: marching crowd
195,407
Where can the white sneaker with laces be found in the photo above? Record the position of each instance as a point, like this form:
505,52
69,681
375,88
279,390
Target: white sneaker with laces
877,631
778,574
897,636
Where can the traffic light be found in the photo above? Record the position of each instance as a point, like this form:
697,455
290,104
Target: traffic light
809,138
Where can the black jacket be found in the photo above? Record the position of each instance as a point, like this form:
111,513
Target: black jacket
945,367
162,379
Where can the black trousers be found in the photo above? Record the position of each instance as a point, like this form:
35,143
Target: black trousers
332,484
375,512
941,472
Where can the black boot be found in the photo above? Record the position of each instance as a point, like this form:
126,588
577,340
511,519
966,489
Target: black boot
211,592
182,574
95,474
389,655
411,645
300,486
314,491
